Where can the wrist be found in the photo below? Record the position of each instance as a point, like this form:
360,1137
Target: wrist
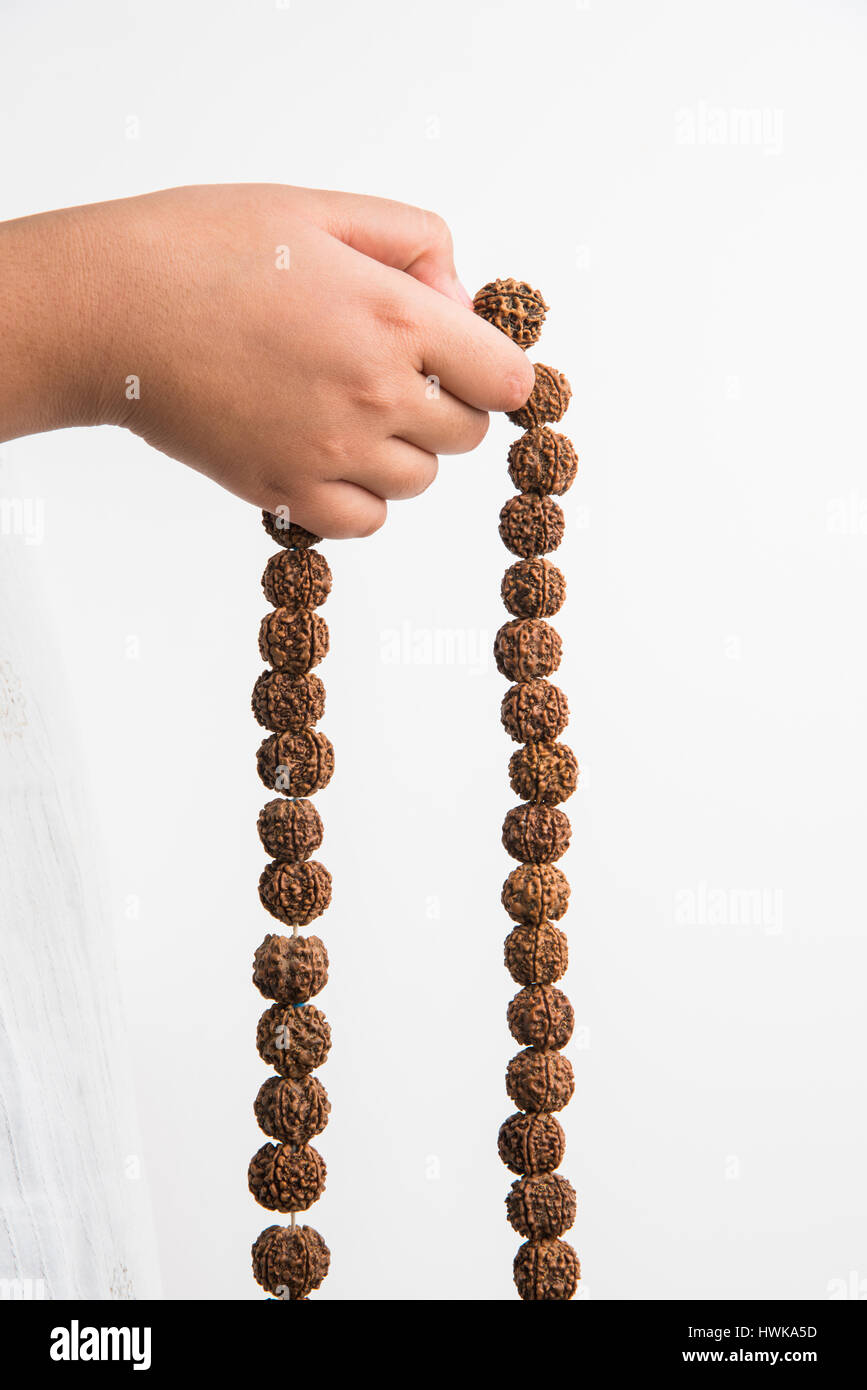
49,313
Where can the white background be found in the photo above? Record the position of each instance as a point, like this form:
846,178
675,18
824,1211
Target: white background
706,274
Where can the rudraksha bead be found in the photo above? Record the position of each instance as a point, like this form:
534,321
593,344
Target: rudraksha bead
546,1269
536,955
531,525
292,1111
544,772
540,1079
548,401
290,829
285,532
527,648
293,642
286,1179
295,893
536,834
294,1041
541,1208
533,589
296,763
543,461
541,1016
531,1143
296,579
290,969
514,307
290,1261
535,893
288,704
534,711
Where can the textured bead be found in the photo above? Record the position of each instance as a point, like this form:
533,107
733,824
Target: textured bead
294,1041
541,1016
543,461
514,307
533,589
296,763
290,829
286,1179
527,648
292,1111
296,579
535,893
285,532
534,711
536,955
288,704
544,772
540,1079
293,642
290,969
290,1261
542,1207
548,401
546,1269
531,525
536,834
295,893
531,1143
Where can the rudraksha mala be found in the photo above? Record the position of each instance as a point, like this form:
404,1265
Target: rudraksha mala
543,772
293,1036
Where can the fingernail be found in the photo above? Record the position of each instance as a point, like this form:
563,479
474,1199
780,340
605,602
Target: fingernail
462,294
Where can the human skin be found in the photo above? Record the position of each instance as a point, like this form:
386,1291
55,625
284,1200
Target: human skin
281,340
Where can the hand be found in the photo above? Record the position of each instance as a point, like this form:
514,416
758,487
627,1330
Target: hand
305,349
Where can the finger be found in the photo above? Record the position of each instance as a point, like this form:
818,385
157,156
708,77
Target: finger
398,471
399,235
470,358
436,421
341,511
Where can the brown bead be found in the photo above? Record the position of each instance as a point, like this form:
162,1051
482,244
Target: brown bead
293,642
296,579
546,1269
543,461
531,1143
536,955
536,834
533,589
296,763
527,648
290,969
285,532
290,829
293,1040
544,772
534,711
548,401
290,1261
288,704
531,525
535,893
542,1207
514,307
295,893
541,1016
292,1111
540,1079
285,1178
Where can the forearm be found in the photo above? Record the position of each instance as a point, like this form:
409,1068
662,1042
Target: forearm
48,315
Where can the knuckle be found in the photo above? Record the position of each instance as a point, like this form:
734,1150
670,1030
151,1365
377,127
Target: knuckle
438,232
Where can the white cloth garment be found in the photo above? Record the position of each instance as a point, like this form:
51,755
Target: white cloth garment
74,1213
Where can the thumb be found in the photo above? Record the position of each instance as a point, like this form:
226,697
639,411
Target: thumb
398,235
